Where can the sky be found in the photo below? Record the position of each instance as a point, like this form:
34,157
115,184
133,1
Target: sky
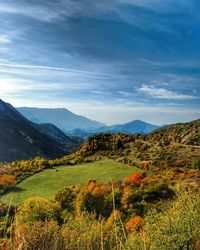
110,60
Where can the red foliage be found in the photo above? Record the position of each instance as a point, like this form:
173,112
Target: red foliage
134,179
134,224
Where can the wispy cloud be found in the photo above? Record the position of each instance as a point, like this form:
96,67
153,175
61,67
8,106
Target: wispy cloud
93,57
24,66
36,12
4,39
25,86
161,93
59,10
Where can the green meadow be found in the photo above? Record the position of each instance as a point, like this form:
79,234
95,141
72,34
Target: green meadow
48,182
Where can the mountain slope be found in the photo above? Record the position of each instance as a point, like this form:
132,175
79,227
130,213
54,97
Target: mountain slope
20,139
62,118
70,142
175,145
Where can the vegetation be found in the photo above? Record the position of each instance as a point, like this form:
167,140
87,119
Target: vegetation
116,192
47,182
42,224
176,228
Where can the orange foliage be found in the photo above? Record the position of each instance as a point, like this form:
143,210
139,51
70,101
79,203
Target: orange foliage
146,166
98,189
134,179
165,164
22,228
7,180
134,224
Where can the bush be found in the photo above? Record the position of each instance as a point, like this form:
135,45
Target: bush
36,209
134,179
196,163
176,228
7,181
84,232
66,197
40,235
134,224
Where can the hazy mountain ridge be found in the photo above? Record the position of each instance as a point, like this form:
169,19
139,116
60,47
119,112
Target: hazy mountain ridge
133,127
60,117
136,126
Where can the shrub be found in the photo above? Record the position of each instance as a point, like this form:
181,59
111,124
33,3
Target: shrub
176,228
84,232
196,163
41,235
7,214
134,179
36,209
65,198
7,181
134,224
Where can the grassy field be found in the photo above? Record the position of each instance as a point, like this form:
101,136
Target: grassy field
47,183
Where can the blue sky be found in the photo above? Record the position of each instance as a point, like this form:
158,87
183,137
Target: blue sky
110,60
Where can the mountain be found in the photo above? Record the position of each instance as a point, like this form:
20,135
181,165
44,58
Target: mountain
62,118
79,132
20,139
133,127
71,142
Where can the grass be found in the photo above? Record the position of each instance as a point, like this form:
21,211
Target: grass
48,182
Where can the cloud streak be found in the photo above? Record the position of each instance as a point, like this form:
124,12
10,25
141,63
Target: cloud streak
161,93
23,66
127,56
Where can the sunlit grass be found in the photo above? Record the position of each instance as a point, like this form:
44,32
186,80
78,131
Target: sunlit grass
47,183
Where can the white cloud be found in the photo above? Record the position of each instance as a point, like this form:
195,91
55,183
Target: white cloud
161,93
4,39
41,67
12,86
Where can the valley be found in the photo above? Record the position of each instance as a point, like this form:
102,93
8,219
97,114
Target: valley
112,182
99,125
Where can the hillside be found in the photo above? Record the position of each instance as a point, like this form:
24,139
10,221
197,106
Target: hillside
186,133
131,183
71,143
174,145
20,139
61,117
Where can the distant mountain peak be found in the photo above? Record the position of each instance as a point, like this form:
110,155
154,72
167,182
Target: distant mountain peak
61,117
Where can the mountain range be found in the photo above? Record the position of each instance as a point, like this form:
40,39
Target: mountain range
31,132
76,125
60,117
136,126
22,139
